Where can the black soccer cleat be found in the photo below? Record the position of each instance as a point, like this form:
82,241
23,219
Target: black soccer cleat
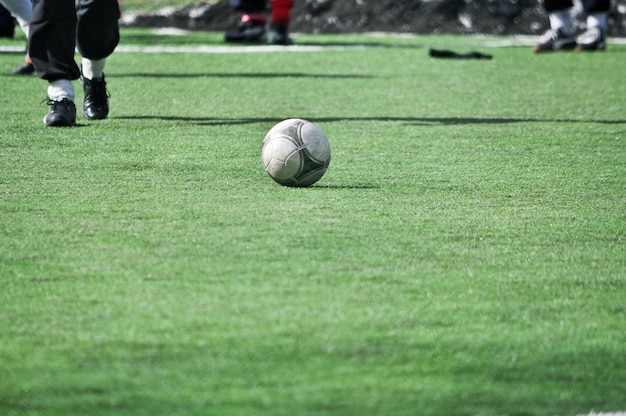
62,113
249,32
96,103
280,34
27,68
556,40
594,39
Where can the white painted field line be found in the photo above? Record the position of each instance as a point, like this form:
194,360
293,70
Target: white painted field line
618,413
9,49
215,49
605,414
233,49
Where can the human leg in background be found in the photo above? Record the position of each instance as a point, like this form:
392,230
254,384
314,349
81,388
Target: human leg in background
251,28
281,17
7,24
594,37
561,35
22,10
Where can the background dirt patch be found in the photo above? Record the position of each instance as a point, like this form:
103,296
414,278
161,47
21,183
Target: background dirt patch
497,17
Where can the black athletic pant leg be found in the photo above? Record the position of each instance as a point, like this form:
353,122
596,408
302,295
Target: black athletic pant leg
97,29
596,6
59,26
249,6
52,39
589,6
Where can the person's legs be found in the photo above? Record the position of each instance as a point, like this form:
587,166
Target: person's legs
97,28
594,38
52,40
97,37
253,20
51,44
22,11
561,35
281,16
7,24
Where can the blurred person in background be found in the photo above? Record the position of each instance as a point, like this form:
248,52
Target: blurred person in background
7,23
57,28
22,11
254,18
562,33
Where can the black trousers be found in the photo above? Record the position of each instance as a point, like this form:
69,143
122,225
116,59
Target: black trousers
589,6
7,24
249,6
59,27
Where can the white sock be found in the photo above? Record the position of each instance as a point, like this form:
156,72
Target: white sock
561,19
93,68
598,20
60,89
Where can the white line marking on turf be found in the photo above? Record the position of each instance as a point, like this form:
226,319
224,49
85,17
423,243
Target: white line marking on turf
11,49
171,31
593,413
216,49
605,414
234,49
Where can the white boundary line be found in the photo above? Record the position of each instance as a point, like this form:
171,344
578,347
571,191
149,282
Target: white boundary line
215,49
234,49
605,414
12,49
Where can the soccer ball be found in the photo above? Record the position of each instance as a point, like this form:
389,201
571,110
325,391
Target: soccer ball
295,152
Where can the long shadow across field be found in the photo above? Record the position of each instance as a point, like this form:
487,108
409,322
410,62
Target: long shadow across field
425,121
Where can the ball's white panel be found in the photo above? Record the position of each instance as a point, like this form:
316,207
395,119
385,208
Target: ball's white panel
316,142
281,158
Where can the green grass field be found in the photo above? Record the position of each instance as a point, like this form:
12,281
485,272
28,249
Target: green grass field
465,254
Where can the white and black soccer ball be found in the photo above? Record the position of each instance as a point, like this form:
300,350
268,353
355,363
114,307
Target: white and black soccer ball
295,152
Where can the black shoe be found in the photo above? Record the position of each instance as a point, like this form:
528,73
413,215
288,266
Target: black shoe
280,34
62,113
96,103
556,40
248,32
25,69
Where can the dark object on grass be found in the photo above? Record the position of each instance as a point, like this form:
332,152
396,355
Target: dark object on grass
436,53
